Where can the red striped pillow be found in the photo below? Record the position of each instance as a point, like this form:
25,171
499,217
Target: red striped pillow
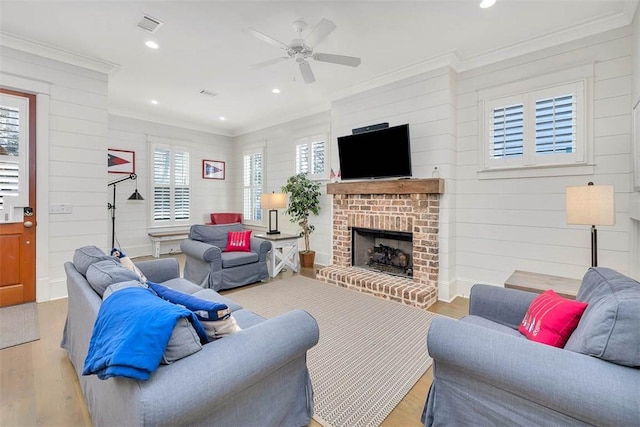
551,319
239,241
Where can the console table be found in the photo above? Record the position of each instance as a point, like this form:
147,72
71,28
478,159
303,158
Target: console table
538,283
284,251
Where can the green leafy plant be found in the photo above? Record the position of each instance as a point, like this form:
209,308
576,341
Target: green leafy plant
304,200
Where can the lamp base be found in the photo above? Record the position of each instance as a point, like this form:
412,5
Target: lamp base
273,232
271,229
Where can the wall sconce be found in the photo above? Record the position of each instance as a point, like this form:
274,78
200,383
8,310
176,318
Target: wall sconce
591,205
273,201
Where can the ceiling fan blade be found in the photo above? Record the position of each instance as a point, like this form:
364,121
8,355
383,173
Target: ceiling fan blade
307,74
319,32
351,61
268,39
270,62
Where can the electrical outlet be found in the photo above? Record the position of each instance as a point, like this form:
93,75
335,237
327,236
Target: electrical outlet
60,209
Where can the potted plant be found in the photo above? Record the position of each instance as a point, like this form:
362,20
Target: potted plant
304,200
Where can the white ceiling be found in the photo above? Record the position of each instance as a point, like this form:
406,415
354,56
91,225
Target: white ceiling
207,45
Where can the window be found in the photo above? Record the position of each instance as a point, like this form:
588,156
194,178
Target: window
311,156
171,191
253,166
530,125
14,180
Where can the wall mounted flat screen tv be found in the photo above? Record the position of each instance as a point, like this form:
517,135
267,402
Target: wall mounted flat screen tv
383,153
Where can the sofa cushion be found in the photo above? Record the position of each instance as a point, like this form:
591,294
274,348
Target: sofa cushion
609,326
85,256
235,259
121,285
215,235
184,342
551,319
103,274
238,241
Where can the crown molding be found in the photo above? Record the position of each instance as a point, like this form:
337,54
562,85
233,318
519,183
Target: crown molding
48,51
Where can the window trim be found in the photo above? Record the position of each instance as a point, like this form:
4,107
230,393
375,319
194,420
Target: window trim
260,149
580,78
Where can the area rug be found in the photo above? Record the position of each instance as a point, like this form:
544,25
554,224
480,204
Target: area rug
370,353
18,324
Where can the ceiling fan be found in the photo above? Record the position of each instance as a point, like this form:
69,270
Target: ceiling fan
301,49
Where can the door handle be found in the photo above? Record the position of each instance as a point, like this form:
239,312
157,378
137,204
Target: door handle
28,224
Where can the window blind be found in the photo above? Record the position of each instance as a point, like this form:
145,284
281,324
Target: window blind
9,152
507,132
555,125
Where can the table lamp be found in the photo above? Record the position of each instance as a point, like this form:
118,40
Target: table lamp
591,205
273,202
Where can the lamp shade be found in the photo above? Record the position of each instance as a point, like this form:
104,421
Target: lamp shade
273,200
591,205
136,196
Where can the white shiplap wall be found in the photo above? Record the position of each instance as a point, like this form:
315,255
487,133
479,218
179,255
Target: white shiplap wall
208,195
508,224
70,160
427,103
280,162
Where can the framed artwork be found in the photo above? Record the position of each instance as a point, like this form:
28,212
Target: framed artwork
635,141
213,169
121,161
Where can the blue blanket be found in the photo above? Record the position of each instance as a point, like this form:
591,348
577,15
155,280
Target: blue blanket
131,333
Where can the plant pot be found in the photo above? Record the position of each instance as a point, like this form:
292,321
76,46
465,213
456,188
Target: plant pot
307,258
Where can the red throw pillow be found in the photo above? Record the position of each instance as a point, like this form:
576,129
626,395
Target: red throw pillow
239,241
551,319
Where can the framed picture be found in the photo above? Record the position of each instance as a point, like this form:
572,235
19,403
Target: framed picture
635,141
212,169
121,161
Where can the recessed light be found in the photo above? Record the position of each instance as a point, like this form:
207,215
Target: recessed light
151,44
222,118
154,102
487,3
275,90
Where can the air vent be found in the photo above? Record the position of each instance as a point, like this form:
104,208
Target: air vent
150,24
207,92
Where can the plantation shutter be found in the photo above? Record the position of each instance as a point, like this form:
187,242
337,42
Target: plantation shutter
507,132
9,153
302,158
182,199
162,185
318,159
555,125
252,182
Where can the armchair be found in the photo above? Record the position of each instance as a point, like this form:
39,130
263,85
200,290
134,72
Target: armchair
210,266
487,373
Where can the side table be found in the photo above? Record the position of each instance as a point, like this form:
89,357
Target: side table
284,251
538,282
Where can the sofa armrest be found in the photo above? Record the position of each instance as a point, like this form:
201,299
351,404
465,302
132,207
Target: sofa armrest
201,251
160,270
224,368
562,380
261,247
504,306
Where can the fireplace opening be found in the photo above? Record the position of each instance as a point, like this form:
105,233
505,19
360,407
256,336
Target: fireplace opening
385,251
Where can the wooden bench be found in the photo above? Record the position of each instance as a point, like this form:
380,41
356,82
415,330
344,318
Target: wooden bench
165,236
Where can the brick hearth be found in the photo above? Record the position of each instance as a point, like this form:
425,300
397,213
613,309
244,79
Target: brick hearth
407,206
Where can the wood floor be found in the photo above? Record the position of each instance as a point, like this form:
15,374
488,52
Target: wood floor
39,387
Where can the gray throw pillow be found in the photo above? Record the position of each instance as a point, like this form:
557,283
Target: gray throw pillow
103,274
85,256
609,328
184,342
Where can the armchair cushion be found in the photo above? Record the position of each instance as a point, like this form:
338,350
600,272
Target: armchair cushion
216,235
551,319
238,241
609,326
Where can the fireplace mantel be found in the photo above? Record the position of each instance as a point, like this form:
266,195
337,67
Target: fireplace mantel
400,186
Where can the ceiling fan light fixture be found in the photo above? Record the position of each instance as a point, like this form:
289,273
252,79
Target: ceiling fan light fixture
484,4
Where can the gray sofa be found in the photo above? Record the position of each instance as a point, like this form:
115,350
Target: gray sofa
210,266
488,374
255,377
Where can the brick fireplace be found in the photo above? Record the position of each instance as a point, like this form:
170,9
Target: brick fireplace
407,206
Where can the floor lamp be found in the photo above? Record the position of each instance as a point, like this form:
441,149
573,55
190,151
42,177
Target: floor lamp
591,205
112,206
273,202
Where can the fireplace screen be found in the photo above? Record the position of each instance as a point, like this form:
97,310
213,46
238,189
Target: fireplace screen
385,251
